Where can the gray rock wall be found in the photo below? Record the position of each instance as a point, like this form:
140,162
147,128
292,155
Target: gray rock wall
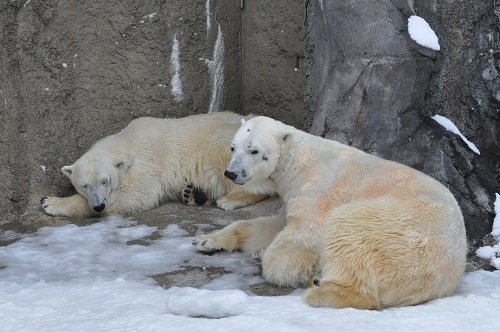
74,71
371,86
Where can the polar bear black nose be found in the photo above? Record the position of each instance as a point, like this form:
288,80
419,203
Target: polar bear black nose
230,175
99,208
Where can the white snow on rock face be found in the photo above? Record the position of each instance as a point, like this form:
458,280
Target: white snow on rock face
450,126
421,33
193,302
496,222
488,252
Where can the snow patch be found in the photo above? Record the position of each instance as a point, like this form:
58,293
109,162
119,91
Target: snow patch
450,126
173,230
488,252
194,302
496,222
422,33
175,70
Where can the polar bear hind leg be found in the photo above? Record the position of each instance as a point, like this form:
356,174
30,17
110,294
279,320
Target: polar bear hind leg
385,253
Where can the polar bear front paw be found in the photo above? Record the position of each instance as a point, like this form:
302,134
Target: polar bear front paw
208,243
193,196
228,204
51,206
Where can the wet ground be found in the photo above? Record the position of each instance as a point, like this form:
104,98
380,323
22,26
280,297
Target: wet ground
194,220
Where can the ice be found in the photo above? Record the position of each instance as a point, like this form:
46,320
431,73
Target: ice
194,302
422,34
450,126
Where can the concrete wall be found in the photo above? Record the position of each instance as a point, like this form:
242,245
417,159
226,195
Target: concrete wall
74,71
273,67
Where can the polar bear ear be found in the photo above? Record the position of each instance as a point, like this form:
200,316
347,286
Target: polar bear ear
287,136
67,170
243,122
123,163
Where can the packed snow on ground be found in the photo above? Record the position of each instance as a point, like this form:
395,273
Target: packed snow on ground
94,278
422,33
195,302
450,126
492,253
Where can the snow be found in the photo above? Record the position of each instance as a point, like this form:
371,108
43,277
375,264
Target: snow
175,69
450,126
95,278
422,33
492,253
496,222
194,302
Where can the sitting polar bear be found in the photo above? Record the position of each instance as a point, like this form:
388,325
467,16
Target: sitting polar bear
152,160
380,234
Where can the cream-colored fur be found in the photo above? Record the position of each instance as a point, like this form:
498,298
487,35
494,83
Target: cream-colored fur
380,234
152,160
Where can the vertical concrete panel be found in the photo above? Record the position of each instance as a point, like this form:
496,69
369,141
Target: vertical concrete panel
273,75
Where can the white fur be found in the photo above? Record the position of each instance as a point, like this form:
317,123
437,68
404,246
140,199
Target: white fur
152,160
380,234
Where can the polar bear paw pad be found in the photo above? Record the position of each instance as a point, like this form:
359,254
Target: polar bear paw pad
193,196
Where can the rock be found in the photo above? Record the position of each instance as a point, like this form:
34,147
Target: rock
370,86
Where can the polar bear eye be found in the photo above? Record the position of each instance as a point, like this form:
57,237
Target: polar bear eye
85,186
232,149
255,151
104,181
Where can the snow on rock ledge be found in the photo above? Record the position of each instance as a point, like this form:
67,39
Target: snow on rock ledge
193,302
422,34
450,126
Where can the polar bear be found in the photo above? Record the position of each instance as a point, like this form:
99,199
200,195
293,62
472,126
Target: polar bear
153,160
380,234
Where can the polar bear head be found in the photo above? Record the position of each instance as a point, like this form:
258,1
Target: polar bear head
256,149
96,178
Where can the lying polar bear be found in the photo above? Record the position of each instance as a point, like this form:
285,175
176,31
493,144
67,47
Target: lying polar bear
380,234
153,160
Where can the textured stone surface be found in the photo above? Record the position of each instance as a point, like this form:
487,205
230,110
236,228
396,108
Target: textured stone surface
273,67
370,86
